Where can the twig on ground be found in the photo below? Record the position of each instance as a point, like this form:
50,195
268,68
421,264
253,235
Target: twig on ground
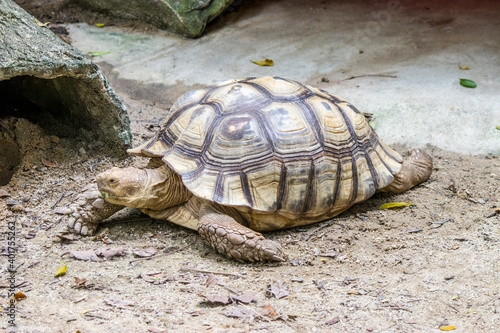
370,75
190,269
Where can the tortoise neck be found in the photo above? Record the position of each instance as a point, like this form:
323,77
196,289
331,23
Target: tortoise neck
165,187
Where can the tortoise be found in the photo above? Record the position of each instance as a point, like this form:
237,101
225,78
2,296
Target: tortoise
252,155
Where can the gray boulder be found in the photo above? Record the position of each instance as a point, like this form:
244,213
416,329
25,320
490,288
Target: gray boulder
185,17
36,66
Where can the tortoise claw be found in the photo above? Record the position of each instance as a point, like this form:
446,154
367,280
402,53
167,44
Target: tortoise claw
86,210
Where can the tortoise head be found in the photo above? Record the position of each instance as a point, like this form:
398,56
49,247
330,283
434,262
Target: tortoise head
124,186
154,189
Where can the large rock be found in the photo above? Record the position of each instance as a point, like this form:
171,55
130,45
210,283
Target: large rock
36,66
186,17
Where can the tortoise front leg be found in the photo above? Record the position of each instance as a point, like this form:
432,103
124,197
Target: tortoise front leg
234,240
87,209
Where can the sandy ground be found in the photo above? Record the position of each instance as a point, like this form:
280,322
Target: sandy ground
416,269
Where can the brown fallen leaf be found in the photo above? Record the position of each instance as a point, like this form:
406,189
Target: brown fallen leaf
79,283
277,290
239,312
84,255
31,234
155,278
19,295
333,321
246,298
267,311
211,280
118,303
66,237
49,164
11,202
217,299
109,252
146,253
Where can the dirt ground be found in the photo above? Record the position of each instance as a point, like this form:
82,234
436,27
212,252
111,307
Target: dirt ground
425,268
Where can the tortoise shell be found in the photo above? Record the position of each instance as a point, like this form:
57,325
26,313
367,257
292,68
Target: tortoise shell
273,145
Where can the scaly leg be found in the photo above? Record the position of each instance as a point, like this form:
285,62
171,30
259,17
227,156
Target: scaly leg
234,240
416,169
87,210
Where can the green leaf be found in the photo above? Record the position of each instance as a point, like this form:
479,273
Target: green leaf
391,205
99,54
265,62
498,128
100,25
468,83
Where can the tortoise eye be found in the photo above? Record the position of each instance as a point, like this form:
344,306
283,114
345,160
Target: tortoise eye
112,180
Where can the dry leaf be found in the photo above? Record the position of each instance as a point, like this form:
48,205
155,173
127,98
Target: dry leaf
333,321
246,298
155,278
109,252
265,62
100,25
19,295
118,303
268,311
40,24
66,237
85,255
49,164
211,280
61,271
146,253
463,67
277,290
80,282
217,299
391,205
239,312
447,328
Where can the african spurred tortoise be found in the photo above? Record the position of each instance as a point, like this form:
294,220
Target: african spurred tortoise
252,155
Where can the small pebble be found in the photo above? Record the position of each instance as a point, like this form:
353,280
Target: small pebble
449,277
4,193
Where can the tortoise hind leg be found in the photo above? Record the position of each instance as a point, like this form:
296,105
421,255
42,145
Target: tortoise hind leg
416,169
234,240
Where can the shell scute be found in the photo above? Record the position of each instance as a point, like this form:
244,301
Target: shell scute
273,145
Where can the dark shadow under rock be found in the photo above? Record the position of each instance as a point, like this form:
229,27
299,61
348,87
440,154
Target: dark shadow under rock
55,86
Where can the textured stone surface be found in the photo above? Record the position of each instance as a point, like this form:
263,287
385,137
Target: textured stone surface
36,65
185,17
